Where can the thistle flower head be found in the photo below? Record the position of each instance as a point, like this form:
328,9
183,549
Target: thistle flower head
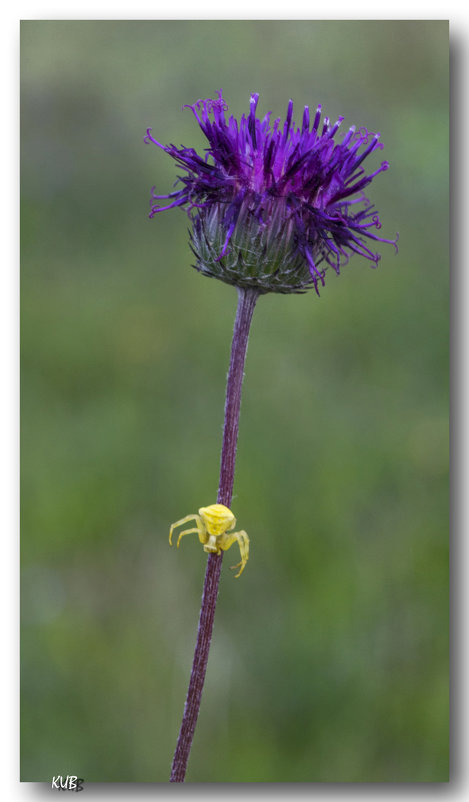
273,206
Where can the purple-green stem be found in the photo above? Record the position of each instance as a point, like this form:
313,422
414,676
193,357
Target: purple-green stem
246,302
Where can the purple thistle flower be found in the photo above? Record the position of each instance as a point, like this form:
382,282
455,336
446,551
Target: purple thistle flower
272,206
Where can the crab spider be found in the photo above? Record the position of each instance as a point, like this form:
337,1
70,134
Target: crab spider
212,525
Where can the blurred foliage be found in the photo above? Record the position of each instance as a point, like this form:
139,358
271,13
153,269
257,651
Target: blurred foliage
329,657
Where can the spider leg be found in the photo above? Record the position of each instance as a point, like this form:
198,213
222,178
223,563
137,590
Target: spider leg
226,541
200,528
185,532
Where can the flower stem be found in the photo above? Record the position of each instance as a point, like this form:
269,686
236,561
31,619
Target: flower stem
246,302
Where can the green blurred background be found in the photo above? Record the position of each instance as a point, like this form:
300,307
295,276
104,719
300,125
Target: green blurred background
329,657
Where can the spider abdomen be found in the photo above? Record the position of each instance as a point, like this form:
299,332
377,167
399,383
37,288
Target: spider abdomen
217,518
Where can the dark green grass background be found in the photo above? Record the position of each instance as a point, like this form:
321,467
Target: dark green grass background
329,660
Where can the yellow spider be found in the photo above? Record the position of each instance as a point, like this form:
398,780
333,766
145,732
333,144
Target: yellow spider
212,525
